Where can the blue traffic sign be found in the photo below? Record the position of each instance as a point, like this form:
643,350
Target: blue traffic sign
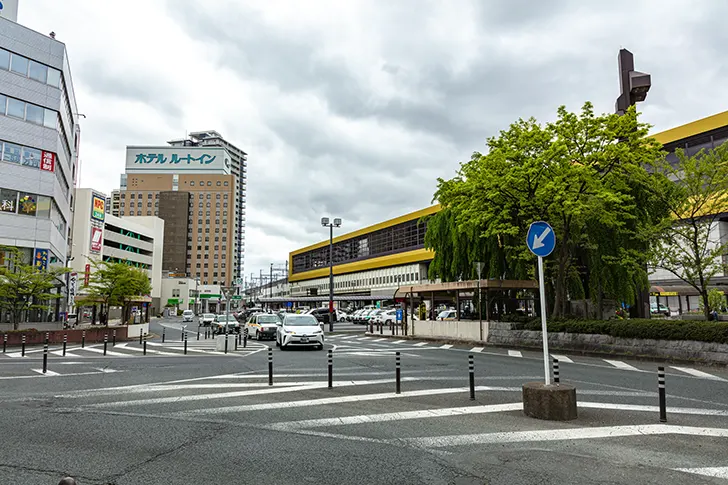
399,314
541,239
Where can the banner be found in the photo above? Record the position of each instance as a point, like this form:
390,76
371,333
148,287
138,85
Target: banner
48,161
98,207
96,233
72,282
87,274
41,259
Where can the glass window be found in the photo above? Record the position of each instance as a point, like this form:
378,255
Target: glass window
8,201
50,119
35,114
37,71
4,59
43,207
11,153
54,77
28,204
31,157
3,103
16,108
192,184
209,184
19,64
218,183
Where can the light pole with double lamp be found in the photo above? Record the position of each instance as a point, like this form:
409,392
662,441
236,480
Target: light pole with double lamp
331,225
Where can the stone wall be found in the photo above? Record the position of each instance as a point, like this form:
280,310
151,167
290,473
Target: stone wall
454,329
504,334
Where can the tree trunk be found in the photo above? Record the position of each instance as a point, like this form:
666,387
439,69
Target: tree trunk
706,306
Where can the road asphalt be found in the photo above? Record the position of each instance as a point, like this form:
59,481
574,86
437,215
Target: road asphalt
209,417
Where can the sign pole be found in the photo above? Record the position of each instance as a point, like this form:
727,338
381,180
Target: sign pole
544,330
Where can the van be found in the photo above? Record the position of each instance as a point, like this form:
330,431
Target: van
188,315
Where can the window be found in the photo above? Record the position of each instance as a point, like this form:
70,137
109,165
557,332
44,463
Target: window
16,108
199,221
225,183
217,196
209,196
207,221
4,59
35,114
192,184
121,212
139,213
149,204
209,184
31,157
54,77
225,196
214,275
37,71
132,196
19,64
149,195
12,153
218,183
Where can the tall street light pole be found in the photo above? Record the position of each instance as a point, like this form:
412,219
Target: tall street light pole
337,223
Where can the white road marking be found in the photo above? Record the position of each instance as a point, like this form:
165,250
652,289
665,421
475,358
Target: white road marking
380,340
366,338
68,354
716,471
378,418
477,349
398,341
149,351
421,344
652,409
47,373
446,346
15,354
108,352
620,365
563,358
562,435
698,373
106,371
330,400
515,353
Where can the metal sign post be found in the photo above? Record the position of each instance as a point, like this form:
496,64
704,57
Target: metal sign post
479,267
541,242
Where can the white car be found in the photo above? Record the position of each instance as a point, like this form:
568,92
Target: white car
188,316
226,324
207,319
387,317
263,326
299,331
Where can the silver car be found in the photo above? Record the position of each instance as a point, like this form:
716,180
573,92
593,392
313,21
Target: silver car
300,331
226,324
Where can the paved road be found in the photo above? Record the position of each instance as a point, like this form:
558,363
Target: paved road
209,418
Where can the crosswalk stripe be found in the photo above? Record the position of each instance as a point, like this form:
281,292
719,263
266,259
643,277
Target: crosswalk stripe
714,471
47,372
563,358
401,416
398,341
698,373
515,353
446,346
59,353
620,365
421,344
108,352
477,349
149,351
380,340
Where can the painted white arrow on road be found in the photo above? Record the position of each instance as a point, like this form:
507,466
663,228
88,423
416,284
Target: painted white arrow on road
538,240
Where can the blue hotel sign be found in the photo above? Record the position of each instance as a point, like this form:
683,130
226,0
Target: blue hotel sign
174,159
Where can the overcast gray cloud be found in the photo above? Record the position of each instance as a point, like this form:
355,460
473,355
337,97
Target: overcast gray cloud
352,109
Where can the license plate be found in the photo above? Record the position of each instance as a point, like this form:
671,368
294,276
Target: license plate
304,340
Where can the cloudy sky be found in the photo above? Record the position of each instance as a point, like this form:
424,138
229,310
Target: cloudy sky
353,108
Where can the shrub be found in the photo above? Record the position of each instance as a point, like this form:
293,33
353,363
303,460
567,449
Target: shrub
701,331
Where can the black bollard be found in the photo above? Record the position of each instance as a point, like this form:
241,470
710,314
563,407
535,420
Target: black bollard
245,337
331,369
182,336
556,371
270,366
661,391
144,347
65,342
163,332
106,341
22,347
46,338
45,357
381,329
113,338
5,342
226,342
198,332
236,341
471,369
83,338
371,327
185,344
397,372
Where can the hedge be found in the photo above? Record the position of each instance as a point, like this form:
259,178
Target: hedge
701,331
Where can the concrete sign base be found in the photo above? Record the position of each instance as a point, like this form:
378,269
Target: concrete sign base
554,402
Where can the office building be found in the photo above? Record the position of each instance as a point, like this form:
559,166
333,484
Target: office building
39,139
193,190
99,236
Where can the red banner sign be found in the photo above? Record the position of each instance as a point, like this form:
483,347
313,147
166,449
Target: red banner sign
96,234
87,274
48,161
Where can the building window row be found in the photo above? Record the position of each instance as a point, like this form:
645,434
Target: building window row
16,108
28,157
18,64
33,205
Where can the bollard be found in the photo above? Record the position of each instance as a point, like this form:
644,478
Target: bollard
556,371
144,346
245,337
163,332
22,348
381,329
185,339
226,342
371,327
5,342
113,338
46,338
331,369
83,338
65,342
198,332
236,342
661,391
106,341
397,371
182,335
270,366
45,357
471,369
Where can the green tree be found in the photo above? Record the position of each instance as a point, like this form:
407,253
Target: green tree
585,175
690,245
24,287
116,284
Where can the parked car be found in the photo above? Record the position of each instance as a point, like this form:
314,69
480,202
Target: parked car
188,316
375,317
299,331
322,314
226,324
207,319
447,315
388,317
662,310
263,326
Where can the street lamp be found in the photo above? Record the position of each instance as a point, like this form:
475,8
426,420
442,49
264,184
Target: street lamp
337,223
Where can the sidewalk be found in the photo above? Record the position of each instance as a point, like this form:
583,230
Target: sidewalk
45,326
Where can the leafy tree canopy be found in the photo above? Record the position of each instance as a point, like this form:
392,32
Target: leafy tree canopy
115,284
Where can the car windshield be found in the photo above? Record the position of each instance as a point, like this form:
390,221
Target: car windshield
268,319
222,318
444,314
301,321
208,315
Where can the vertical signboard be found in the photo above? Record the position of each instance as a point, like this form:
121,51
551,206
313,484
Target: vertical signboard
40,259
72,282
9,9
48,161
98,207
96,236
86,274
